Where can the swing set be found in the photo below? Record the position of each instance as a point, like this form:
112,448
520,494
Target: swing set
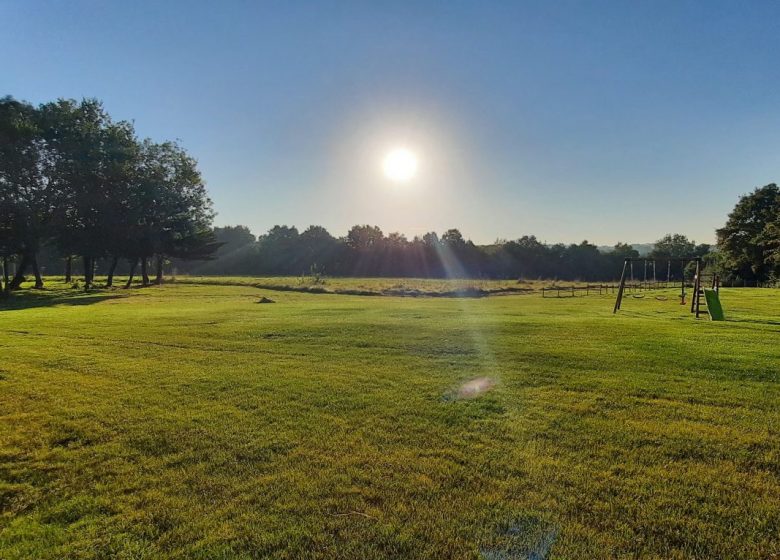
703,301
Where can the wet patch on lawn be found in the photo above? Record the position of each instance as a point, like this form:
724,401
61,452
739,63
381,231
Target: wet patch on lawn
524,538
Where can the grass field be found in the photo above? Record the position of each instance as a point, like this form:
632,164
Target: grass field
188,421
375,286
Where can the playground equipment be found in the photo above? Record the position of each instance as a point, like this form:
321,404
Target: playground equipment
714,307
703,301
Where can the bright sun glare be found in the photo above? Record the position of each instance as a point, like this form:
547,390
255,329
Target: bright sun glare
400,165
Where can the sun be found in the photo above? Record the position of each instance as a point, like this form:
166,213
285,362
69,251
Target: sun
400,165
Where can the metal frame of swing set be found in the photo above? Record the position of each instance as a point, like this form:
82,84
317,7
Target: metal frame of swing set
628,264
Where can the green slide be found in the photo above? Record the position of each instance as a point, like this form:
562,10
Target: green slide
714,306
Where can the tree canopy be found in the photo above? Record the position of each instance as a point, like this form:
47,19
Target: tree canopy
366,250
73,179
750,240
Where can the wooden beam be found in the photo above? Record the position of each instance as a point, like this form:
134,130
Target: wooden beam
619,298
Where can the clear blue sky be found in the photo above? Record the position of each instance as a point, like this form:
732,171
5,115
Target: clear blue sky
578,120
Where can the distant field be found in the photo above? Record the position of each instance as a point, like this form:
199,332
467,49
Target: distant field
381,286
366,286
189,421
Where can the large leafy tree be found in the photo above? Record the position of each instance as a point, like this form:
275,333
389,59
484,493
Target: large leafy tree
363,238
233,237
750,240
70,174
169,211
673,245
9,238
92,164
318,247
364,244
773,244
25,196
582,261
279,250
121,153
677,246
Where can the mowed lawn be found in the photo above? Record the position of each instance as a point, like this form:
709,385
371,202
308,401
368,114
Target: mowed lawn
189,421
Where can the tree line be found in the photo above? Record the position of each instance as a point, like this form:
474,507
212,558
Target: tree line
76,183
366,251
747,251
79,191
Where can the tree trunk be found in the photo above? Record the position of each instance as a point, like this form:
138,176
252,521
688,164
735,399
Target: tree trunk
69,270
111,269
133,264
5,276
144,271
159,279
19,276
36,272
88,272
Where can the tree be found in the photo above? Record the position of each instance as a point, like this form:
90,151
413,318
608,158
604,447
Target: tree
582,262
8,241
394,255
317,248
91,167
623,251
459,258
529,258
362,238
233,237
25,196
278,251
750,242
170,211
453,238
674,246
771,238
364,244
71,175
613,260
677,246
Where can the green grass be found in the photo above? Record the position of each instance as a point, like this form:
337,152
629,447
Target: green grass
374,286
188,421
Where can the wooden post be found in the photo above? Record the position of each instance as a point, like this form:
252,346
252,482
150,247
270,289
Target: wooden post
619,298
696,287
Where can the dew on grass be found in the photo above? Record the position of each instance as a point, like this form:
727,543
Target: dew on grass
524,538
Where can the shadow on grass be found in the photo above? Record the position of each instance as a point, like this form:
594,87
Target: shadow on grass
754,321
30,298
